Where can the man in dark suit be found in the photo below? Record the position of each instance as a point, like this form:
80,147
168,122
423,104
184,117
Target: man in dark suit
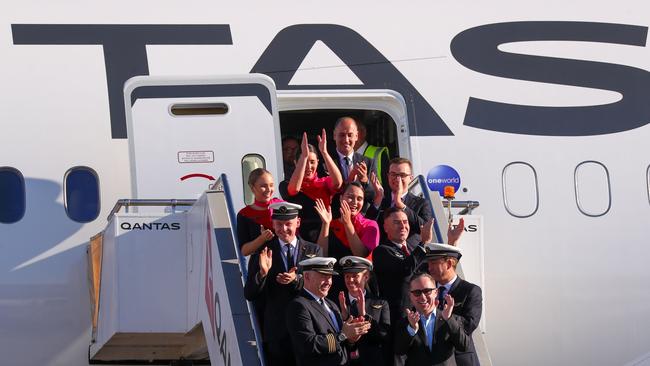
318,333
373,349
272,276
442,261
352,165
416,208
429,336
394,262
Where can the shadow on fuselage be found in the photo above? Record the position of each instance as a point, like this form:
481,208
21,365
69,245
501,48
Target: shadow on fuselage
44,306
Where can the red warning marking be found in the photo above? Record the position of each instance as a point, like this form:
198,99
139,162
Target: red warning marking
197,175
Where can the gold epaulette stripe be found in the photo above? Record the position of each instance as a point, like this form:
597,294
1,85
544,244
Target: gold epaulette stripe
331,343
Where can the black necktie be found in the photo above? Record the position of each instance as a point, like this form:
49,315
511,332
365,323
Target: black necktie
289,257
441,297
353,308
347,167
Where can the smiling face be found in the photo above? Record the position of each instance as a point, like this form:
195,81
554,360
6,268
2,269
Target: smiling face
353,195
355,281
346,136
396,227
286,229
263,188
425,294
399,173
312,165
317,283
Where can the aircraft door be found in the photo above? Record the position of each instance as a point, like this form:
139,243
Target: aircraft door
184,133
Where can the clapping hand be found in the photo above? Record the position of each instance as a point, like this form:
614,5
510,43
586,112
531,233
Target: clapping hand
448,308
266,261
414,319
286,277
454,233
379,190
426,231
325,213
266,234
359,172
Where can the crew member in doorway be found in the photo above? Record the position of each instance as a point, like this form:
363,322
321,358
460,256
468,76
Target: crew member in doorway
353,166
305,186
290,147
379,154
272,276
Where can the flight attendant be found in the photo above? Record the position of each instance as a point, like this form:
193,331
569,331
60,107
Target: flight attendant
351,233
254,227
305,186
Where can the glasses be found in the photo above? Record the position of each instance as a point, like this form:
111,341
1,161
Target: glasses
425,291
401,175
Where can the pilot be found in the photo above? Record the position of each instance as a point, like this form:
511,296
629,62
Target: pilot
272,276
254,221
442,260
417,210
305,186
358,300
429,334
318,333
290,147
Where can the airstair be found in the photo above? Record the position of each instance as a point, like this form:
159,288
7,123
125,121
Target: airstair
168,285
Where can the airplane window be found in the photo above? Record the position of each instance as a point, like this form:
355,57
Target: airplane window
81,194
647,181
592,188
249,163
12,195
520,189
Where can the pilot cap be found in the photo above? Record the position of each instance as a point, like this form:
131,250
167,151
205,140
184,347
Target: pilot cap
353,264
284,210
324,265
436,250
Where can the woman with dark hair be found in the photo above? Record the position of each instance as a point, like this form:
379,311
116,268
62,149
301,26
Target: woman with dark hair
305,186
254,221
357,300
351,234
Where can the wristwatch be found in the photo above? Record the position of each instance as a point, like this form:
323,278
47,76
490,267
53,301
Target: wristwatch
341,337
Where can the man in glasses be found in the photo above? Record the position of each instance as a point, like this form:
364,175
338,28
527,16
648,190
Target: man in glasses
442,260
416,208
429,335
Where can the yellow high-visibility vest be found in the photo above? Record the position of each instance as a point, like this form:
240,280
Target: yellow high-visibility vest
375,152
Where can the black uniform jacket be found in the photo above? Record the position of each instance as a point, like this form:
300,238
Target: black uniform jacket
448,336
276,295
417,211
393,269
313,334
372,347
468,305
